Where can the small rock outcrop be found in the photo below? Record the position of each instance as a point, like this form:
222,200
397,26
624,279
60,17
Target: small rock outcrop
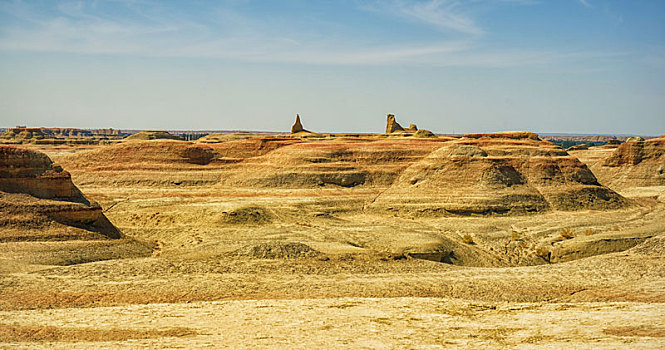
152,135
297,126
393,126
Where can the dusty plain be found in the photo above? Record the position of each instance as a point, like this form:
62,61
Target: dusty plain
316,240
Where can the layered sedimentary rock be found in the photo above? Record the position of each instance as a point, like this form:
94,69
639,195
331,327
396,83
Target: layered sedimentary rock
39,201
33,173
501,173
635,163
340,162
23,135
165,162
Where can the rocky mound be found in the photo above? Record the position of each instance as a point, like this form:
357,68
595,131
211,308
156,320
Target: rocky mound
38,201
247,216
277,250
152,135
503,173
635,163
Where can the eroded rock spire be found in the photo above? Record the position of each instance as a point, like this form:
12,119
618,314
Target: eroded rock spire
297,126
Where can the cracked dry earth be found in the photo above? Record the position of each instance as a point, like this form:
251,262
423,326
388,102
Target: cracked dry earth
203,264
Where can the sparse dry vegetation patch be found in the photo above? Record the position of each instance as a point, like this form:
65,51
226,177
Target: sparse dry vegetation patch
567,233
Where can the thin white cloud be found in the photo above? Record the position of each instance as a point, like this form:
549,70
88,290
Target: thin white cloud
585,3
75,28
441,14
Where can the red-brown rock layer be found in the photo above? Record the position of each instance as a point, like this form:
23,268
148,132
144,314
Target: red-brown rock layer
38,200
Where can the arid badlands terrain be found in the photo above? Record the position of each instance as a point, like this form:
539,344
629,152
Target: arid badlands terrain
309,240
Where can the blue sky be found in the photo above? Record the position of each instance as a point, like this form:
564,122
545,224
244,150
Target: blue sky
583,66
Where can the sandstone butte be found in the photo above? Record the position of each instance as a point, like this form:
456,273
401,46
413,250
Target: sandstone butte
635,163
40,202
497,174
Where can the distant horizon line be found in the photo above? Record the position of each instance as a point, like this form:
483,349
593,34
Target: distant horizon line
229,131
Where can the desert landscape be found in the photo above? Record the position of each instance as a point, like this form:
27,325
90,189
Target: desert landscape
355,174
303,240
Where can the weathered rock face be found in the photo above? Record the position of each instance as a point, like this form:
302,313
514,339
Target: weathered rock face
25,171
392,125
344,163
39,201
507,173
165,163
297,126
635,163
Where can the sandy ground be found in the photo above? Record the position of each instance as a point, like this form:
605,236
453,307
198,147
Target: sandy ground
364,323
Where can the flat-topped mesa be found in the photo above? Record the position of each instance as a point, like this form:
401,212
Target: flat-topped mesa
515,135
25,134
297,126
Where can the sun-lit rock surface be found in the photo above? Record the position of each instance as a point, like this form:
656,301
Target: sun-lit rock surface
506,173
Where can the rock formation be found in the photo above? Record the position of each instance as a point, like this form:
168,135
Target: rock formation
39,201
502,173
344,163
297,126
21,135
635,163
393,126
152,135
25,135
